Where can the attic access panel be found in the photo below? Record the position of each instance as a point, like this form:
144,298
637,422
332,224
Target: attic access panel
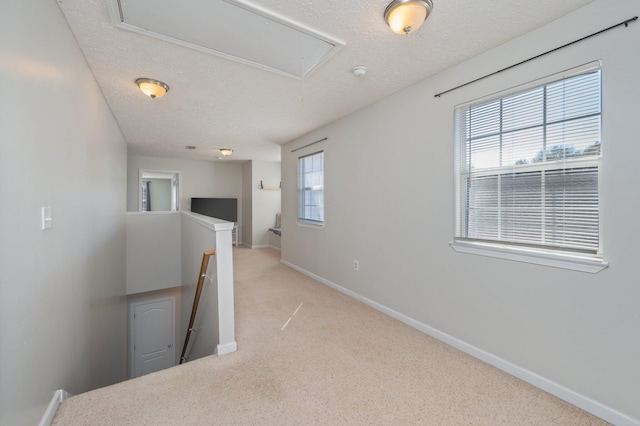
230,29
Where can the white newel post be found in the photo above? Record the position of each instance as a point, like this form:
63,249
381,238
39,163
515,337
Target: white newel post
224,263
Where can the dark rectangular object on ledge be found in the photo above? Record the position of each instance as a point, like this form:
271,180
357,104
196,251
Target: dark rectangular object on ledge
220,208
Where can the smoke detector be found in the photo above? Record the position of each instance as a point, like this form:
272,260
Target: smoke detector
359,71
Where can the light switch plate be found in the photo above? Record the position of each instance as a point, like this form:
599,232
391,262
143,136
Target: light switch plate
46,218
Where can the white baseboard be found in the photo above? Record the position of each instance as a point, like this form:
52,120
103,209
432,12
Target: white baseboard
227,348
58,396
587,404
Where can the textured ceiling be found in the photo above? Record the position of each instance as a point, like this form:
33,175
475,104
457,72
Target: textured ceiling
218,103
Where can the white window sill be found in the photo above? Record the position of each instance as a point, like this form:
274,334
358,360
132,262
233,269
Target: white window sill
586,263
312,225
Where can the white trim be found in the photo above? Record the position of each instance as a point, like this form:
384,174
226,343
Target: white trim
58,396
175,175
225,291
114,11
227,348
591,264
594,407
209,222
306,224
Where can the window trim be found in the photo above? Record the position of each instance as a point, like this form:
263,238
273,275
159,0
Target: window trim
571,260
537,256
309,224
301,221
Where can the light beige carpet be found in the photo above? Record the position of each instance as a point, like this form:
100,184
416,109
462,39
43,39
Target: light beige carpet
336,361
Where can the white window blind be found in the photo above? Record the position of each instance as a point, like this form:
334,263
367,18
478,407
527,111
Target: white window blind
528,166
311,188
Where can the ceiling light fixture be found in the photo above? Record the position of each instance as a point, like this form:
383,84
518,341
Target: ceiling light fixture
404,16
152,88
226,151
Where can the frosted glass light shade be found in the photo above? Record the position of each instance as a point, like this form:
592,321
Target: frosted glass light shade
226,151
404,16
152,88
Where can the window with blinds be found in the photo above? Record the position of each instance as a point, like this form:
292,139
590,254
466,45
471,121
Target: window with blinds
311,188
528,166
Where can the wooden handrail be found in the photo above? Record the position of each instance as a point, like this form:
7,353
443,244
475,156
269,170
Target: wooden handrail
203,273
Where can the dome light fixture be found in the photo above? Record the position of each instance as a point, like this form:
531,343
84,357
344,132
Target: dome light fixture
152,88
405,16
226,151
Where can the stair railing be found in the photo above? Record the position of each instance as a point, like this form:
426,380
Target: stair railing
196,300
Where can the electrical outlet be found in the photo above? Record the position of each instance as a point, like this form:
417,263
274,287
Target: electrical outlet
356,265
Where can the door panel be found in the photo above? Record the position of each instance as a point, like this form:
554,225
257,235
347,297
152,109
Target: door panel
153,337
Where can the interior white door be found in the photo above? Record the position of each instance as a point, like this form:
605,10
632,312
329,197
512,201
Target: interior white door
153,336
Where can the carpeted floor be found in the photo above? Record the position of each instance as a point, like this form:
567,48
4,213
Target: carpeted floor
309,355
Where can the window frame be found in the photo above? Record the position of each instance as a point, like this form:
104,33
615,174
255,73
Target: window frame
302,218
579,260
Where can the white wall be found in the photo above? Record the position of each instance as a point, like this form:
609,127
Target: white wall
260,205
390,204
153,247
62,303
266,202
198,179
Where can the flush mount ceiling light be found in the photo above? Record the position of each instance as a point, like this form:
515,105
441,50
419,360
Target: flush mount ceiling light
404,16
152,88
226,151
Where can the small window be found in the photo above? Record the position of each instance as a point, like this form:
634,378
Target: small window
528,168
311,189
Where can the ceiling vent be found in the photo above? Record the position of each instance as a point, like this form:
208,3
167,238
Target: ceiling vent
230,29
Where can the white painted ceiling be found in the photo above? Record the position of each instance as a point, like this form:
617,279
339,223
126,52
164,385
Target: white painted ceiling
215,102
